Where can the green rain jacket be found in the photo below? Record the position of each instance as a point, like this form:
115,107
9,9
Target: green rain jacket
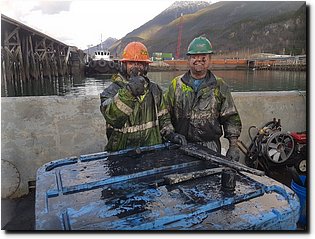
133,121
200,114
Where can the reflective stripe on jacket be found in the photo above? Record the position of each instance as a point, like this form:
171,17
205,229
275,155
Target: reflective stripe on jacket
133,121
200,114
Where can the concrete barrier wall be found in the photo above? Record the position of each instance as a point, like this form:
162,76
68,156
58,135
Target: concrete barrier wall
37,130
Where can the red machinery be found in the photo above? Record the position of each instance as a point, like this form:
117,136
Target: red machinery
299,154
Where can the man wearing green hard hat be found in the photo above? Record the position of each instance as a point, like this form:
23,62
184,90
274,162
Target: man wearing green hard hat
201,104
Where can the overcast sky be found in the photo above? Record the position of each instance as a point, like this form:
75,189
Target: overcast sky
83,22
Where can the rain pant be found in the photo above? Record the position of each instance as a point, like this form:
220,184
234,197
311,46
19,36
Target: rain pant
133,121
199,114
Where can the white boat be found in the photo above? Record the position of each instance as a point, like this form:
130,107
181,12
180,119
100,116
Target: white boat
101,63
101,55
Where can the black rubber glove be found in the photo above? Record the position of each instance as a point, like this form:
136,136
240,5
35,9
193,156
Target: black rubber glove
177,138
136,85
233,152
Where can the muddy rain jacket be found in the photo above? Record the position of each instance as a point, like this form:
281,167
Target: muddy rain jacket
200,114
133,121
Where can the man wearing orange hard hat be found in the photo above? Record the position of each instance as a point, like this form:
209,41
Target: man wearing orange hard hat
132,105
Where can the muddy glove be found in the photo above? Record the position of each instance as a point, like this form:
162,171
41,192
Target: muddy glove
136,85
234,152
177,138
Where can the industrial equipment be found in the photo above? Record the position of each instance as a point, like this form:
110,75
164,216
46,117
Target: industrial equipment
272,148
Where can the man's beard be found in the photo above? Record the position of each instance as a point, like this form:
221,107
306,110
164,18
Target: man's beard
199,68
136,71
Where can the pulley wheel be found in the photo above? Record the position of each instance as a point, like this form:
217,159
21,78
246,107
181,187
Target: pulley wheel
10,179
279,147
301,166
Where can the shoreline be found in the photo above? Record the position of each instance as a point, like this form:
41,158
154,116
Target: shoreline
234,64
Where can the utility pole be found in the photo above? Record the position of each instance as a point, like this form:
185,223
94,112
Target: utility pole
179,39
88,51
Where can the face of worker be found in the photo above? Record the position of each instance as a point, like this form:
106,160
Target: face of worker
199,64
135,68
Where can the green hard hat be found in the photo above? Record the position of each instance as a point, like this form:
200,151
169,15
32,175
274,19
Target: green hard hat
200,45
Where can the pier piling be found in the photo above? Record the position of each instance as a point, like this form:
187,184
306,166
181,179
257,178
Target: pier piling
28,55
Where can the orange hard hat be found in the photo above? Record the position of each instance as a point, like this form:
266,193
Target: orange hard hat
135,51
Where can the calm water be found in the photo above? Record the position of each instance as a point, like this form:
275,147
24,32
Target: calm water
239,80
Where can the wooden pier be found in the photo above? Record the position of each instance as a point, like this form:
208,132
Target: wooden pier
289,63
27,54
